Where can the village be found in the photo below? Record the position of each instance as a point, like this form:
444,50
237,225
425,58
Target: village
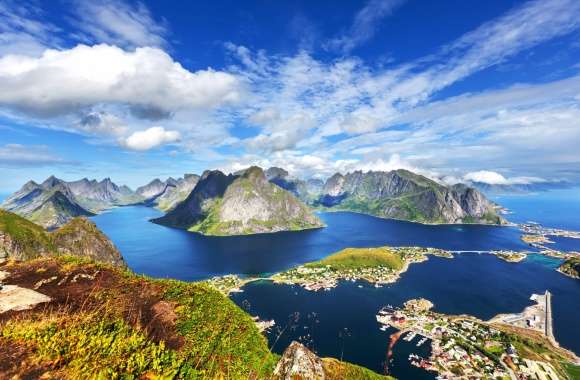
325,277
464,347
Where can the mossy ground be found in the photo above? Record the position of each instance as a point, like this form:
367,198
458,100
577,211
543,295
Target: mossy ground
123,326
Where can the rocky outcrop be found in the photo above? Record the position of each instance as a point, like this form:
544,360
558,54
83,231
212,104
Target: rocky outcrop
571,267
81,237
152,189
401,194
244,203
21,239
298,362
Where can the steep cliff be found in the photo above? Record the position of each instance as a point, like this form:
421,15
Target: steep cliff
401,194
21,239
239,204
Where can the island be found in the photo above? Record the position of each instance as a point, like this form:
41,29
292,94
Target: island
571,267
510,256
464,346
378,266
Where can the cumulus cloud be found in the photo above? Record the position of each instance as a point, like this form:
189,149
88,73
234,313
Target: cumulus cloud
495,178
150,138
119,23
64,81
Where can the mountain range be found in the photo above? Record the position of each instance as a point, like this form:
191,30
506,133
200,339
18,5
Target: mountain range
255,201
54,202
239,204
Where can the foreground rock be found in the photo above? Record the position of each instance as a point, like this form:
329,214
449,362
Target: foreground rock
299,363
21,239
15,298
401,194
240,204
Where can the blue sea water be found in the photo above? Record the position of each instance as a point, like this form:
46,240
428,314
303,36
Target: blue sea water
166,252
559,208
341,323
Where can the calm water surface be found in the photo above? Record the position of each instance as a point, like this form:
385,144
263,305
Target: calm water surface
166,252
341,323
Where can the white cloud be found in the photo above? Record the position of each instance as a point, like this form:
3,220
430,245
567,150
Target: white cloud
147,79
365,24
22,31
119,23
18,155
150,138
494,178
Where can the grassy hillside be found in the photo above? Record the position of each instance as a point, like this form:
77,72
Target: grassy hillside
356,258
108,323
120,325
32,240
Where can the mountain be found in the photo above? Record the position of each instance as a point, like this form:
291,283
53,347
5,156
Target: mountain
496,189
176,191
55,202
152,190
307,191
239,204
50,204
401,194
21,239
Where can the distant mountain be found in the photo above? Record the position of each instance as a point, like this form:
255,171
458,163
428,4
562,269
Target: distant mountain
50,204
401,194
238,204
55,202
307,191
519,188
176,191
152,190
21,239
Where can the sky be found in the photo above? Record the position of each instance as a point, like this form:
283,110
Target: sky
456,90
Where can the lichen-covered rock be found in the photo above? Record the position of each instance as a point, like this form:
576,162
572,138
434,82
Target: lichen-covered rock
299,363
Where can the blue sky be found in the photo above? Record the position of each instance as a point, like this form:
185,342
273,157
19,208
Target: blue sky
455,90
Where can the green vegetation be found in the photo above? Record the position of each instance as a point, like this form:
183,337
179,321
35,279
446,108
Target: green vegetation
356,258
571,267
30,238
338,370
26,240
137,327
573,371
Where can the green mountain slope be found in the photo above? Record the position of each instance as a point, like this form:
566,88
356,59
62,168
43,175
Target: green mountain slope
239,204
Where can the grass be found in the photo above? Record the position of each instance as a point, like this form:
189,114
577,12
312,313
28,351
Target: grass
573,371
29,237
357,258
108,333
